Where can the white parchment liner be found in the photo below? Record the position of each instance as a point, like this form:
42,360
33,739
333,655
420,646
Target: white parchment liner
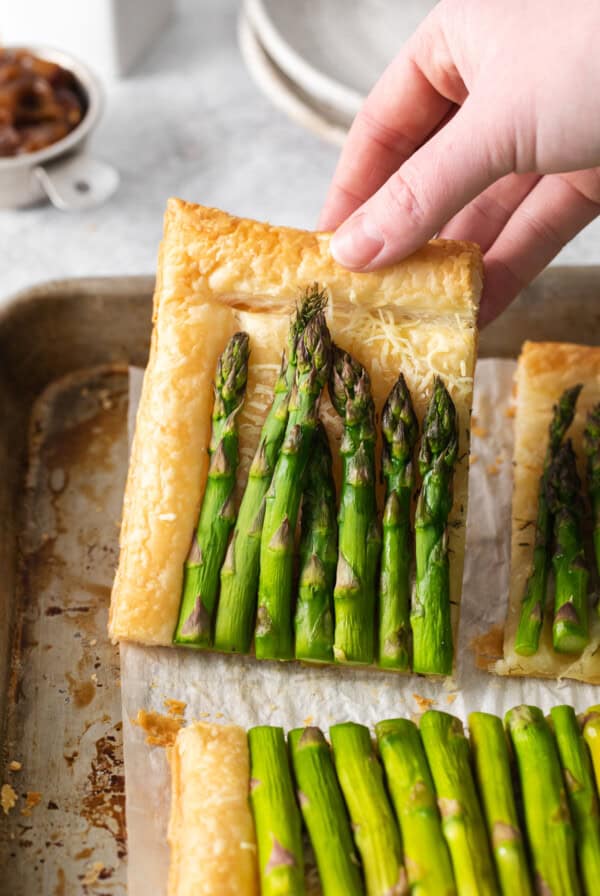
247,692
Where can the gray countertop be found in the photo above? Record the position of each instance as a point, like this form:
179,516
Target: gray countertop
189,122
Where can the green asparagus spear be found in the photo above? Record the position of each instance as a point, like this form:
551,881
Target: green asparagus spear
549,830
239,574
447,751
276,814
590,724
493,774
591,444
375,830
531,615
570,631
581,791
217,516
359,538
324,813
431,621
318,557
411,788
400,431
273,635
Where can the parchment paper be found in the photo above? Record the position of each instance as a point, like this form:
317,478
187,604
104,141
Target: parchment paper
247,692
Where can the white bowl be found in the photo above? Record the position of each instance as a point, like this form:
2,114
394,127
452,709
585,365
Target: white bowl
334,50
283,93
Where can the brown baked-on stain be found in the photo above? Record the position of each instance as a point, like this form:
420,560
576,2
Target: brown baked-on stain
96,589
95,872
42,565
59,889
82,692
90,439
103,803
53,611
71,757
161,730
32,799
488,647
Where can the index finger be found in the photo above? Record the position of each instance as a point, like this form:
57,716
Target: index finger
407,104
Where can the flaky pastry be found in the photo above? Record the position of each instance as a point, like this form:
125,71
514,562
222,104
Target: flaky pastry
218,274
211,831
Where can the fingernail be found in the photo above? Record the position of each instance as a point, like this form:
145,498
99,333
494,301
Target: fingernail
356,243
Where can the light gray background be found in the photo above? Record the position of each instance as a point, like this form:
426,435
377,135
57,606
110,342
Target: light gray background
189,122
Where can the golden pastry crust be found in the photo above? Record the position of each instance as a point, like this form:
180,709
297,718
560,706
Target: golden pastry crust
211,831
219,274
544,371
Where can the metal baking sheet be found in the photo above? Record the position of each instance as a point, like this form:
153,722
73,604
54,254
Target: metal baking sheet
66,451
64,348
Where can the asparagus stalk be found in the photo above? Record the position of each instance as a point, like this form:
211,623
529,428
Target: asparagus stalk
375,830
581,791
318,557
447,751
591,444
570,631
531,616
217,516
324,813
273,635
547,821
400,431
239,574
276,814
413,795
590,723
359,539
431,621
493,774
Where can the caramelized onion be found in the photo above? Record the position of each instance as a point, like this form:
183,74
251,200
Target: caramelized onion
40,102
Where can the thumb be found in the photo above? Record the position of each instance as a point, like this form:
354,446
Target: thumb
441,177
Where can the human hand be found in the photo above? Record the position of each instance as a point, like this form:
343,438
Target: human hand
486,128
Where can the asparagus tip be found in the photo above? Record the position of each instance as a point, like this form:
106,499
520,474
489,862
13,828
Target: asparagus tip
439,438
232,369
399,424
311,735
562,417
350,388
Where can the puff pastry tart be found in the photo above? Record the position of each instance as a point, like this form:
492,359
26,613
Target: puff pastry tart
544,372
217,275
211,831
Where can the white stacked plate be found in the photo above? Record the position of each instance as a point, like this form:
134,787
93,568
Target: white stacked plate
318,59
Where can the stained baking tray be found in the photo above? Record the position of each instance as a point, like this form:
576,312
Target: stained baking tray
64,351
